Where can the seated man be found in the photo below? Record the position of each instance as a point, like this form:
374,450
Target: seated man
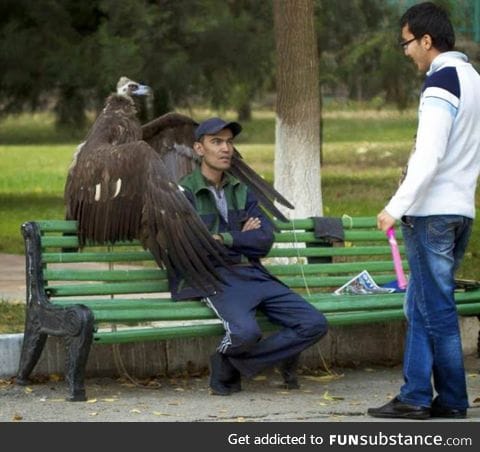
231,213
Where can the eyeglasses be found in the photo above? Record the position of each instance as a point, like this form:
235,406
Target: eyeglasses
404,44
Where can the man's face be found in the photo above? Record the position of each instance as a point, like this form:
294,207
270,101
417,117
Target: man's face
216,150
418,49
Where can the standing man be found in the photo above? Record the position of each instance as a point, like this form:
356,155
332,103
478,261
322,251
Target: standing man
231,212
436,203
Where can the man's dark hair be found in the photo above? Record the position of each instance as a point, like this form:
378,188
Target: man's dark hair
429,19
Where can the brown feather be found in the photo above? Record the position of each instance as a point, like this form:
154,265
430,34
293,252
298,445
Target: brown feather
118,188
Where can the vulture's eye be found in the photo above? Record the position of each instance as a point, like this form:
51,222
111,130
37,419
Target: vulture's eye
133,87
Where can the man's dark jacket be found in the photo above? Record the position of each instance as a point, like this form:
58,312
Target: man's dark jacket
244,247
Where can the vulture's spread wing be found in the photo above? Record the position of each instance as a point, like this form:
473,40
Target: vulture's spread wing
172,137
265,192
122,192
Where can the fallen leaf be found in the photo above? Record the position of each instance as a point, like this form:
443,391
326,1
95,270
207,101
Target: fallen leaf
323,378
159,413
179,389
259,378
477,400
173,403
472,375
283,392
17,417
240,419
28,390
91,401
135,410
93,414
54,377
109,400
327,396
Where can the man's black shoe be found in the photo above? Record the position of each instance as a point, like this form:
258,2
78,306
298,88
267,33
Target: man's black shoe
446,412
224,377
397,409
288,370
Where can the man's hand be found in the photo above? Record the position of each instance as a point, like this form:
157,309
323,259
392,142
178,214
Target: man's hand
385,221
251,223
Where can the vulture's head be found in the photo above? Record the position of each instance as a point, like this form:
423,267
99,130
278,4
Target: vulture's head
127,87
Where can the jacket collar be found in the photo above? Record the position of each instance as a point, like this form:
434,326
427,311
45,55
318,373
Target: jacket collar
452,58
199,182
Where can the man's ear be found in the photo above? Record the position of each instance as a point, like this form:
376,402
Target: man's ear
427,41
198,148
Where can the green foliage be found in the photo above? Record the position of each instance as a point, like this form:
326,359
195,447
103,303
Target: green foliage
12,317
66,55
362,55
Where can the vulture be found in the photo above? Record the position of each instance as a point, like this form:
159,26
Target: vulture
122,185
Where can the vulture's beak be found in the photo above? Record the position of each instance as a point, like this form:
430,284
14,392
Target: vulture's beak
142,90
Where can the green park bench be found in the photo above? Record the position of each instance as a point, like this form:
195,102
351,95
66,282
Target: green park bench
127,299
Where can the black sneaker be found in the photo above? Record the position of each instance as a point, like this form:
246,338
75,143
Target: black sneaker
288,370
446,412
398,409
225,379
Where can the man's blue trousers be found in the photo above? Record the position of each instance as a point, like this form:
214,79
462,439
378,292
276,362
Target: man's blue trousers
250,289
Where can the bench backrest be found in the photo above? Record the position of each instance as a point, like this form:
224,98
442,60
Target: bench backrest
307,264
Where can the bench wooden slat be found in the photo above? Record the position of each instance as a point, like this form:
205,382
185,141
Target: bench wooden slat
332,251
203,312
57,241
150,274
107,288
86,256
338,267
296,282
303,223
166,332
337,303
142,274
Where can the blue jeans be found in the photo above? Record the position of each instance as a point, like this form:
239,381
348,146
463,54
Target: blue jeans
435,246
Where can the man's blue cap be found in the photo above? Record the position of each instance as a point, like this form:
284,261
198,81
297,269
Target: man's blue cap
213,125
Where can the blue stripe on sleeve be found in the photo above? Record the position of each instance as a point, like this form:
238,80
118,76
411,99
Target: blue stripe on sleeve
437,102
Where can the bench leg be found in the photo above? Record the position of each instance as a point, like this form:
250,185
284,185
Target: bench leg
75,324
78,349
33,343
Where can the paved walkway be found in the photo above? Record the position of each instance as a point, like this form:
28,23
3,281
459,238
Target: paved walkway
12,277
323,398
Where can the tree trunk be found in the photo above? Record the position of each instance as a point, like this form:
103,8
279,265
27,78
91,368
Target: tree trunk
297,134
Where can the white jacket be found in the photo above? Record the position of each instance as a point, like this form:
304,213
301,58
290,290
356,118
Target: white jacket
442,172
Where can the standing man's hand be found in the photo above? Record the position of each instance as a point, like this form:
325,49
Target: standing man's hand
251,223
385,221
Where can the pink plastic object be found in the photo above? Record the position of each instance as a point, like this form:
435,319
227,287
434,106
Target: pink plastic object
397,260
